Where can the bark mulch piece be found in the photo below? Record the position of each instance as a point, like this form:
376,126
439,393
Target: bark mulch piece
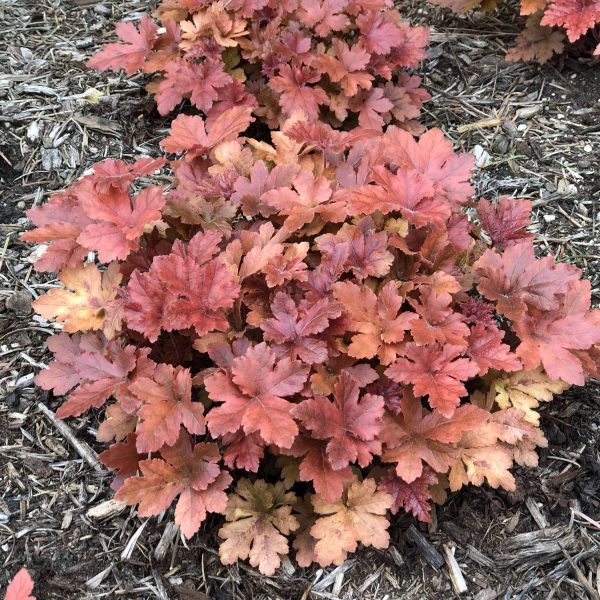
535,130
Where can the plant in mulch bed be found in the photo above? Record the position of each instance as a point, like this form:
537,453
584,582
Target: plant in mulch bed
340,61
306,332
547,22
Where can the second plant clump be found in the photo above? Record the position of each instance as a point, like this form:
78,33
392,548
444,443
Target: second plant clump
310,330
547,22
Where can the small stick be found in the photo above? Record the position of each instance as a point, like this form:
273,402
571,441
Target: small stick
581,577
431,555
536,513
493,122
4,249
456,576
169,533
80,447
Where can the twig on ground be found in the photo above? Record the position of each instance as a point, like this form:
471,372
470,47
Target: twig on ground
79,446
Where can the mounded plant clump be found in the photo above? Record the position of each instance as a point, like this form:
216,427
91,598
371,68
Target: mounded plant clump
547,24
310,331
338,60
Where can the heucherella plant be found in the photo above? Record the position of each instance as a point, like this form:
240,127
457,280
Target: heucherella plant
341,61
305,333
546,25
314,325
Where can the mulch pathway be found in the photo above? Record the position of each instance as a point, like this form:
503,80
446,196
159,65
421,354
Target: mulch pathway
536,134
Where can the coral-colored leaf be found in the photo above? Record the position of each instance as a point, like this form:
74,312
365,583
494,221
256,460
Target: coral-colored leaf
292,83
433,158
350,424
325,16
244,451
130,55
201,82
117,424
407,192
190,472
364,248
517,280
167,405
370,106
250,190
536,43
576,16
21,587
111,175
316,468
488,351
552,338
346,67
293,332
437,322
252,396
377,35
289,266
58,224
506,221
122,221
61,374
98,214
94,369
308,198
187,288
406,97
416,436
124,458
436,372
189,133
377,319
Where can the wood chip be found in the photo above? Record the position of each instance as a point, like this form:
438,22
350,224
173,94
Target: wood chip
78,445
480,558
430,554
168,535
536,513
582,578
484,123
98,123
106,510
458,581
536,548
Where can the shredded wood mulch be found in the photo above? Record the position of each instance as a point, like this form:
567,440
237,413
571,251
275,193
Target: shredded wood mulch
536,133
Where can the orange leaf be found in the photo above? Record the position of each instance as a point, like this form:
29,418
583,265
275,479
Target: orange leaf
190,472
529,7
417,436
536,43
359,516
259,516
81,304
